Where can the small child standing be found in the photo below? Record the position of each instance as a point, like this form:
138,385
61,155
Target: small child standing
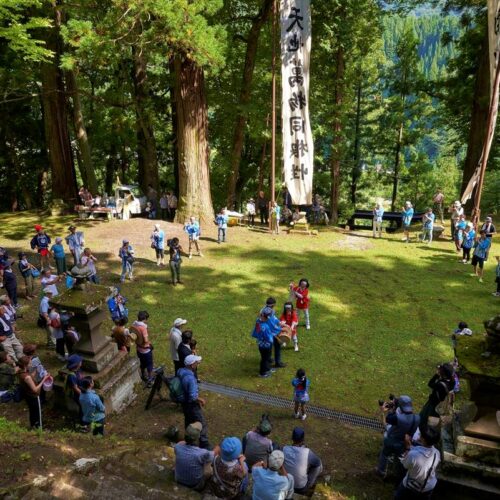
300,394
221,221
58,253
89,260
275,217
497,277
289,318
301,293
93,409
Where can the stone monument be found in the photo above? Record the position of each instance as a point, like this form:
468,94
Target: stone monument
115,373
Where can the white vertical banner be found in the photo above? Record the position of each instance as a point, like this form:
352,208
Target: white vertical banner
298,147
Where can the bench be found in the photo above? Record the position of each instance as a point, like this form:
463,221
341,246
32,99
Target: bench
393,217
106,213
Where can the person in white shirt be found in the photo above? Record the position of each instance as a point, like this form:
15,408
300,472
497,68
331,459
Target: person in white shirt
420,461
175,338
49,281
251,212
76,242
89,260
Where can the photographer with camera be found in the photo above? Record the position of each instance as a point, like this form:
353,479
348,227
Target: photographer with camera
442,383
400,421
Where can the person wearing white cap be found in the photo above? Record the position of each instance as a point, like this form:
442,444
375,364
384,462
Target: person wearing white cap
175,338
456,211
192,406
126,254
158,244
273,482
407,216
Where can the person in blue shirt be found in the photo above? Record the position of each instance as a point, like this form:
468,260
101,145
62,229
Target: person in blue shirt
468,242
58,253
221,221
428,225
158,243
126,254
458,235
40,242
272,482
275,217
481,248
192,228
407,216
300,393
93,410
378,214
263,333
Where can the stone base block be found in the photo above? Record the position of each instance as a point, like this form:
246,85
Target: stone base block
478,449
96,363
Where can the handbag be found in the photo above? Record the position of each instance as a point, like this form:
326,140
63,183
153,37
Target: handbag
35,273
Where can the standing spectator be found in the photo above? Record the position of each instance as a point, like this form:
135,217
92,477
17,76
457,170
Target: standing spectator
263,206
144,347
57,251
31,392
251,212
50,281
192,463
257,445
8,340
460,225
121,335
40,242
428,225
442,383
497,277
481,248
192,228
158,244
76,243
43,316
57,333
302,463
93,410
74,382
116,305
378,214
287,198
262,332
175,338
126,254
407,216
301,294
273,482
172,205
421,462
163,206
36,369
438,200
230,472
221,221
490,231
175,252
26,269
10,282
400,421
275,217
89,260
456,211
71,338
275,327
316,209
192,405
300,393
152,194
468,242
184,348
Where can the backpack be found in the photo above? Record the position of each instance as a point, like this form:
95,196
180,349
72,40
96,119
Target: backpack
176,391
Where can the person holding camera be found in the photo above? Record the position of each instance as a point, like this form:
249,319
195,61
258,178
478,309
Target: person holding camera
400,421
442,383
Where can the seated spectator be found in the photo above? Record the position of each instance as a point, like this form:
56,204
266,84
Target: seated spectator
8,380
93,409
273,482
230,472
257,446
303,464
10,343
192,463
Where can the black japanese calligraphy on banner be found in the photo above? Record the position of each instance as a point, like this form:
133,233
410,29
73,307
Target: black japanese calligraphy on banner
298,147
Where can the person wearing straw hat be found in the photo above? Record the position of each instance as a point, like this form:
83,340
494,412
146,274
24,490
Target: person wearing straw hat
76,243
31,392
272,482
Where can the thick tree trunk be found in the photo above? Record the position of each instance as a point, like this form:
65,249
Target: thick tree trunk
111,168
356,172
173,115
337,137
85,159
245,95
397,159
146,144
192,142
478,120
56,120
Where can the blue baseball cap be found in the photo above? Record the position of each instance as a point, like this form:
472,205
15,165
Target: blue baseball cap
230,448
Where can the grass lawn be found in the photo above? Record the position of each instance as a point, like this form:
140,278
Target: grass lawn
382,311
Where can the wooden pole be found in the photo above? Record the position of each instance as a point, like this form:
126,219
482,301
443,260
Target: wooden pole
490,132
273,118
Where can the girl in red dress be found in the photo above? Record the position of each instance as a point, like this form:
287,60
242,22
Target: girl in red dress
289,318
301,293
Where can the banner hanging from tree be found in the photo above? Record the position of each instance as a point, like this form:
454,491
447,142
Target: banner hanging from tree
298,147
